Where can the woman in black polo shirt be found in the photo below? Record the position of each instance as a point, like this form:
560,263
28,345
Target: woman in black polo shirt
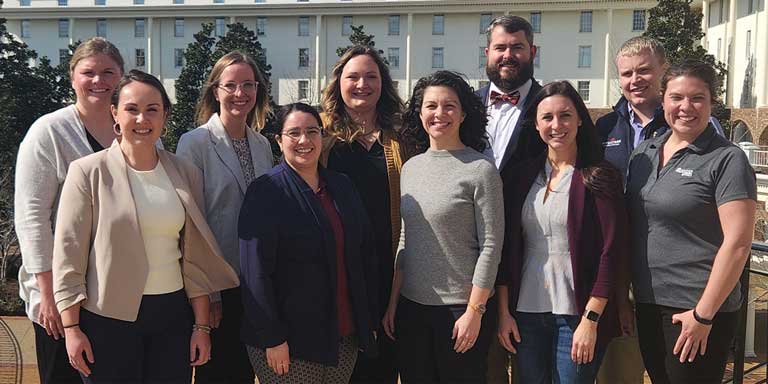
691,197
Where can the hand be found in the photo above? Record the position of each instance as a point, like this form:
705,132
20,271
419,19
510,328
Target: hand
507,325
49,316
279,358
693,336
199,348
388,321
77,343
626,317
584,339
215,314
465,331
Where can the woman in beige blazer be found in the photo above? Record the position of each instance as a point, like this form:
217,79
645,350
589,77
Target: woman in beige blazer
132,250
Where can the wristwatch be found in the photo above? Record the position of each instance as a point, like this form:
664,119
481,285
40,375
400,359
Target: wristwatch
592,315
479,308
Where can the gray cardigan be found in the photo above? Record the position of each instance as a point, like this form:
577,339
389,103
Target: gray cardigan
210,149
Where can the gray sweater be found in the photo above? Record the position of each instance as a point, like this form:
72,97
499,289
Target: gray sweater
453,226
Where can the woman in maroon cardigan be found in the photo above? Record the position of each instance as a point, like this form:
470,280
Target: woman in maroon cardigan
566,225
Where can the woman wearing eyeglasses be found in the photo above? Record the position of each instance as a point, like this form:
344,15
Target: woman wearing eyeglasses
308,284
231,153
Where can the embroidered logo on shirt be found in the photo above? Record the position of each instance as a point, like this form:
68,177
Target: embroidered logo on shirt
612,142
684,172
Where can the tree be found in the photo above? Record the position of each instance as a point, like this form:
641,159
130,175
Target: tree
199,58
359,37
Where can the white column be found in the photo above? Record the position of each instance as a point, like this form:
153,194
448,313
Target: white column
318,50
762,57
149,56
232,20
408,56
608,64
71,31
730,33
749,342
704,22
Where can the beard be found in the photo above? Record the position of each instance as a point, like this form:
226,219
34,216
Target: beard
524,72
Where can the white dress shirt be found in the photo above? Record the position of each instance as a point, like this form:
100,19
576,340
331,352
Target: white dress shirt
502,120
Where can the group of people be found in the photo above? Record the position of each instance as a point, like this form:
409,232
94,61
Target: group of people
429,240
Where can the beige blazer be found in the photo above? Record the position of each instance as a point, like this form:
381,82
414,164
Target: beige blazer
98,256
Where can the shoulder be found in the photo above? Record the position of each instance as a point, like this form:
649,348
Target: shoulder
195,137
260,139
44,130
92,163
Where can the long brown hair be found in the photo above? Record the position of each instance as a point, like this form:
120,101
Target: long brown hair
388,108
207,105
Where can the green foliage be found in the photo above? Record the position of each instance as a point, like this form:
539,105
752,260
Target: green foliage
199,58
359,37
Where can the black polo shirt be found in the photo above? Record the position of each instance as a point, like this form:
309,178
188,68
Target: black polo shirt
675,224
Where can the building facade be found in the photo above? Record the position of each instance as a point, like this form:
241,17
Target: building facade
577,39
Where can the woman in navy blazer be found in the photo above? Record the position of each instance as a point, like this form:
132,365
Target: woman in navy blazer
308,278
554,307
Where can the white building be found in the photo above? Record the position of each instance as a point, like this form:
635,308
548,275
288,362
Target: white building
577,39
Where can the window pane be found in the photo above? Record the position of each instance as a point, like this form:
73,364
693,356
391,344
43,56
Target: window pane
585,56
63,3
178,28
63,56
101,28
25,29
393,56
138,28
437,57
261,26
303,57
485,20
482,59
536,22
25,3
638,20
63,27
303,25
584,90
178,57
140,57
586,21
178,1
346,25
537,58
138,2
221,26
303,89
394,25
438,26
749,44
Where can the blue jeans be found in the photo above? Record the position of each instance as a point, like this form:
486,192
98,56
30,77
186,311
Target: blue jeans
544,351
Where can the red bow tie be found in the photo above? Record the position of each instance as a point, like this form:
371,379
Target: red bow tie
511,98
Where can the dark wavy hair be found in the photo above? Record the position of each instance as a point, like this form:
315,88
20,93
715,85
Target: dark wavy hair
696,69
599,175
286,110
388,108
471,130
135,75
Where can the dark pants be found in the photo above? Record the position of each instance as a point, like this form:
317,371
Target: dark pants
52,360
658,335
153,349
379,370
425,349
229,359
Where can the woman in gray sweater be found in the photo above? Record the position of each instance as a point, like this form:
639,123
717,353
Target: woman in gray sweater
450,244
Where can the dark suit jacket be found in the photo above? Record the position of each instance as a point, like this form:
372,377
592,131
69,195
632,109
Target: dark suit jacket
518,148
288,265
597,227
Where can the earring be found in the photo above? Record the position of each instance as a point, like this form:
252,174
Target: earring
116,129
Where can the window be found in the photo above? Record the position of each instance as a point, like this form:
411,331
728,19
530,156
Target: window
178,27
25,30
138,27
178,1
221,27
63,27
536,22
101,27
438,24
437,57
140,57
303,89
393,27
303,57
638,20
178,57
346,25
261,26
537,58
95,2
584,90
481,58
138,2
218,1
752,6
719,45
483,83
25,3
303,25
585,22
749,44
393,57
485,21
585,56
63,56
63,3
721,11
260,1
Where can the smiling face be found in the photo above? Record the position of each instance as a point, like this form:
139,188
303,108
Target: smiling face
441,116
236,91
140,114
640,79
360,84
510,59
558,123
687,106
301,140
94,78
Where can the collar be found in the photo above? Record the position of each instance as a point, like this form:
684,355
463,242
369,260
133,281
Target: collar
523,89
699,145
631,112
218,130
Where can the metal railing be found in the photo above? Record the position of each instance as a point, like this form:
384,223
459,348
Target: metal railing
741,331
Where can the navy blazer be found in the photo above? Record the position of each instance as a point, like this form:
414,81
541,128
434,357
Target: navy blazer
518,148
288,266
597,240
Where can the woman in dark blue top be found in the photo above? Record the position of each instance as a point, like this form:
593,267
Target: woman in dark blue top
308,281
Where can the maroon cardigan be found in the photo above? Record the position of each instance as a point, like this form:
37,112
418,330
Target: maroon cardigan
597,239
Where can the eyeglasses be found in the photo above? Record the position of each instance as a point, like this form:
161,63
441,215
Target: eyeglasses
295,134
246,86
